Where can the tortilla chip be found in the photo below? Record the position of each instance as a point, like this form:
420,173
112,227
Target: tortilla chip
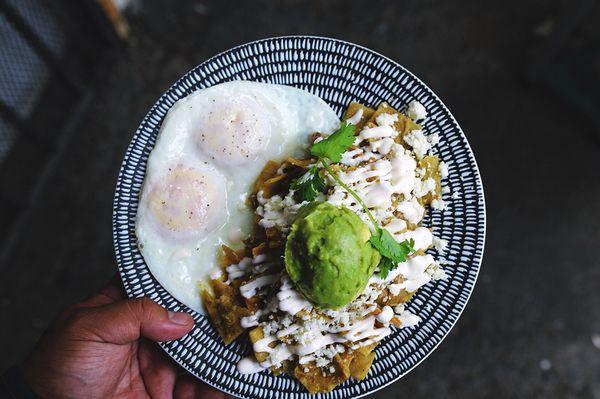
266,173
225,310
286,367
351,363
431,164
361,361
403,297
229,256
403,125
342,361
270,182
299,163
353,109
317,380
260,249
275,185
256,334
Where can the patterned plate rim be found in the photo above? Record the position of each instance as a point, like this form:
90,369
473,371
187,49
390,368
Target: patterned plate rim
481,206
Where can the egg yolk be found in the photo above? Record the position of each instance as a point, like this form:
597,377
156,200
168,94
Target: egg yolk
186,201
233,131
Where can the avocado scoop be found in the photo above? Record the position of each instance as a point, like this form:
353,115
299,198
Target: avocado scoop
328,255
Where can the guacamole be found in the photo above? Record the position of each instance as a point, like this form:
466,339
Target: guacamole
328,255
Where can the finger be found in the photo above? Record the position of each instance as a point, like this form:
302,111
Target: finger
127,320
158,371
188,387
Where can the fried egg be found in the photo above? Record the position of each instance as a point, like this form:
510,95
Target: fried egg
210,149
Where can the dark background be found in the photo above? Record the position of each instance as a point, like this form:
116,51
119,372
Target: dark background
519,76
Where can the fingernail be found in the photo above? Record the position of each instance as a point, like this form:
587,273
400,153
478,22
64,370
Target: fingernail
179,318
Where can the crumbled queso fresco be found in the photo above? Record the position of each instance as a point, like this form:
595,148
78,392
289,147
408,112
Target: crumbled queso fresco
387,176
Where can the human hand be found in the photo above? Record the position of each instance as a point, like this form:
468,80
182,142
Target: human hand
102,348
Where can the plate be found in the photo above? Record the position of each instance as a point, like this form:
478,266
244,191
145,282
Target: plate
339,72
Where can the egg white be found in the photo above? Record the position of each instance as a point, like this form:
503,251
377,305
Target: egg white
226,134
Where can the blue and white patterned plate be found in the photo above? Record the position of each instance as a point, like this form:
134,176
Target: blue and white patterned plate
339,72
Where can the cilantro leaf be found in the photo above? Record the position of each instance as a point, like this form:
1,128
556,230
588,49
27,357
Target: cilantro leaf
308,186
336,144
385,265
388,247
392,252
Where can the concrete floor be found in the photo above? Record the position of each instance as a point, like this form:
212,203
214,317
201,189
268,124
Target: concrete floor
530,327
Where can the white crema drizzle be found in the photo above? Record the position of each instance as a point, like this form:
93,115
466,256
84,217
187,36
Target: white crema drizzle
353,325
385,175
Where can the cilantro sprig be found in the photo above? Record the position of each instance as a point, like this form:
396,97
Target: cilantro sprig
392,252
336,144
308,186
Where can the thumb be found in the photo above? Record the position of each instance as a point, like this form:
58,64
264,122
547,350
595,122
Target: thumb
127,320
